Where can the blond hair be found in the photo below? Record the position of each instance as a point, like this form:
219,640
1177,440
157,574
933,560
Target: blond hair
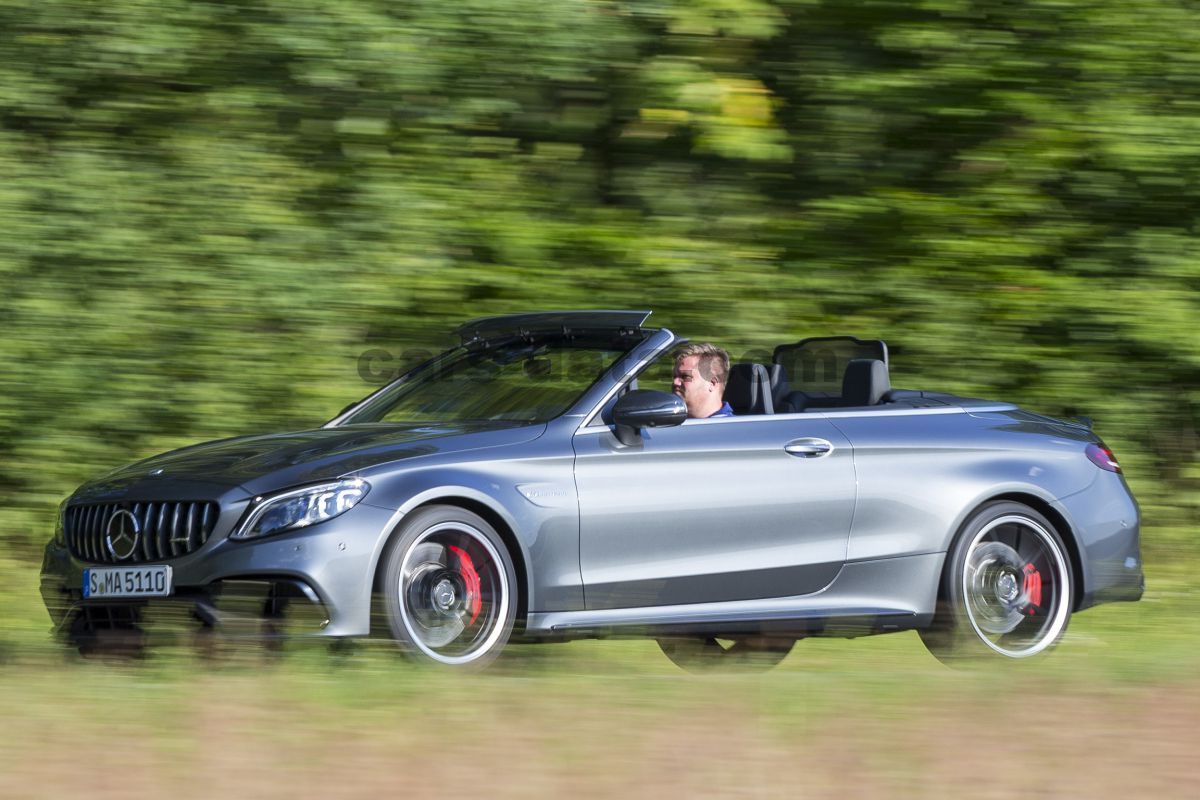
713,364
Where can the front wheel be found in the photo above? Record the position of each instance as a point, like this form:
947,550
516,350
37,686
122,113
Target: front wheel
708,654
1007,588
449,588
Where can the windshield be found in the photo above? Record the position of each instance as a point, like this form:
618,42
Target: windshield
517,381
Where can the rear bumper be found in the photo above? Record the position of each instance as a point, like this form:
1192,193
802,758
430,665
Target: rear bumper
1107,526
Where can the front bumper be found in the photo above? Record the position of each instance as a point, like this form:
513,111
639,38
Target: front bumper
326,572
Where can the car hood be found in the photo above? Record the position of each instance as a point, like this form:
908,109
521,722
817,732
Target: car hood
273,461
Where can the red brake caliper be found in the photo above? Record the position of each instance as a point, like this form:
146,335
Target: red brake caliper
1033,586
471,578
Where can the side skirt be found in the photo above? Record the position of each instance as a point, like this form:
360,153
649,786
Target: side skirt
867,597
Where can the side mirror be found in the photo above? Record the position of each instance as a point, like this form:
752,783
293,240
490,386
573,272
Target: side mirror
645,408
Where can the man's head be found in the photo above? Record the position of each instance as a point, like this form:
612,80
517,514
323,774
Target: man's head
700,373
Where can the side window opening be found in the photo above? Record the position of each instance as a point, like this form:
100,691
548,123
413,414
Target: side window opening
657,375
817,369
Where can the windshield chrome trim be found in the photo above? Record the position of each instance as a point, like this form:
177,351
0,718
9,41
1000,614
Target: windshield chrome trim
484,328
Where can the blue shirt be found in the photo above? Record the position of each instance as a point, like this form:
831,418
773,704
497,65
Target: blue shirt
724,411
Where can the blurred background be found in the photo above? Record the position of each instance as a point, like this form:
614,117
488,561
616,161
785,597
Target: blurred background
210,210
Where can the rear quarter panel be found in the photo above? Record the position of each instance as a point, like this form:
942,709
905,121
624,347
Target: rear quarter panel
921,472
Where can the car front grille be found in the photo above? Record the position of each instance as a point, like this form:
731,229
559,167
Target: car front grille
164,530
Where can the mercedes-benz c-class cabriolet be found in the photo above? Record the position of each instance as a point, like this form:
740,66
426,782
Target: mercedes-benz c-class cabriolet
541,481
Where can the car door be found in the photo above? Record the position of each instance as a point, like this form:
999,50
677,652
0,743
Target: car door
723,509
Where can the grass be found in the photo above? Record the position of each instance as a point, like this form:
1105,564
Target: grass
1111,712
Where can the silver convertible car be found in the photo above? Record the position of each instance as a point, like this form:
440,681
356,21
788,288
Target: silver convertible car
539,482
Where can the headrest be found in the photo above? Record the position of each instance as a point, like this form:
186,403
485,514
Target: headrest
779,384
865,382
749,389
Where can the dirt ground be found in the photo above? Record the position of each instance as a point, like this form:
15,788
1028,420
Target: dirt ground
516,739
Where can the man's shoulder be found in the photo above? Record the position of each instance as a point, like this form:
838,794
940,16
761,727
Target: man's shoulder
724,411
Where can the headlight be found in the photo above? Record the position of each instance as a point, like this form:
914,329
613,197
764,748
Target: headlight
300,508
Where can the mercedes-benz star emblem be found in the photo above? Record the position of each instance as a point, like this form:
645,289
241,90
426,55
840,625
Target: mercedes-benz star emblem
121,534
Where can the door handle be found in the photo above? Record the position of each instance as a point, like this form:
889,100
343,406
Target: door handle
808,448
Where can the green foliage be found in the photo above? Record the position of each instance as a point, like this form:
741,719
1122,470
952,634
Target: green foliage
210,209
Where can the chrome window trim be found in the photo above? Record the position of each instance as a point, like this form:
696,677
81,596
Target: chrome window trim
905,412
827,415
691,423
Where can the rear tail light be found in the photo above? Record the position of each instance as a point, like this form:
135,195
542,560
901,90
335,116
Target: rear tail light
1102,457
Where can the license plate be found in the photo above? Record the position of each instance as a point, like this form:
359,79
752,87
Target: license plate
152,581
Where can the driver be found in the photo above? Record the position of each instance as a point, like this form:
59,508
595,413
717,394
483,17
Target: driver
701,370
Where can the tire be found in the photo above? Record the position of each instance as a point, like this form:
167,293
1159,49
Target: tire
1007,588
701,654
449,588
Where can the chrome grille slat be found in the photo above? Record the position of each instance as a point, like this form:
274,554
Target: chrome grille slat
98,533
85,515
183,531
167,529
206,522
144,521
81,529
90,532
96,537
137,515
85,533
174,527
151,531
160,532
105,517
191,525
98,549
155,531
94,532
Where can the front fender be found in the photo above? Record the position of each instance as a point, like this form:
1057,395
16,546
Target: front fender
542,523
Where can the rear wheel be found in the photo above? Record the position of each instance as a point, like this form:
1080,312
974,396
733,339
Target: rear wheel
449,588
1007,588
712,654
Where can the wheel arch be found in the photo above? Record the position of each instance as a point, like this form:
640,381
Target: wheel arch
507,534
493,517
1061,526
